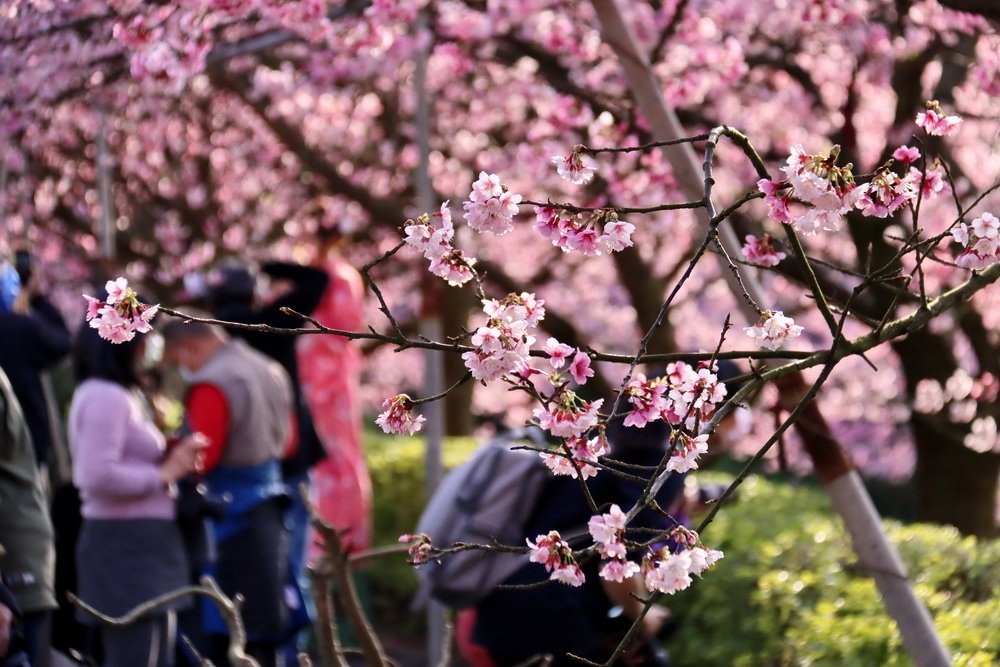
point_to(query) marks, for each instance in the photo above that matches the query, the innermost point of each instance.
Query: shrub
(396, 465)
(789, 592)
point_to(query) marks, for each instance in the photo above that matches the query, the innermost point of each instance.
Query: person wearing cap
(231, 295)
(241, 401)
(35, 338)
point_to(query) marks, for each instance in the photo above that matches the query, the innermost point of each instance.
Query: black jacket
(28, 345)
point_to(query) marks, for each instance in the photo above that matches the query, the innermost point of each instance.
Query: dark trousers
(254, 564)
(37, 628)
(149, 642)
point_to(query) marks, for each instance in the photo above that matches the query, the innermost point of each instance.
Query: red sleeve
(292, 445)
(208, 414)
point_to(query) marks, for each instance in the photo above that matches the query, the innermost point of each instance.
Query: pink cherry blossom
(819, 181)
(691, 394)
(454, 267)
(580, 368)
(886, 193)
(935, 122)
(568, 416)
(581, 450)
(687, 449)
(420, 547)
(122, 315)
(556, 555)
(932, 182)
(569, 574)
(116, 289)
(777, 205)
(93, 306)
(491, 207)
(616, 237)
(774, 330)
(502, 345)
(672, 572)
(574, 167)
(906, 154)
(397, 416)
(761, 251)
(980, 241)
(647, 400)
(619, 570)
(558, 352)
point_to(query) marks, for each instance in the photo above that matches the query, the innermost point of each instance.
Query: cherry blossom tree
(235, 127)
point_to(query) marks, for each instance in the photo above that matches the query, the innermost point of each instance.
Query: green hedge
(786, 593)
(396, 465)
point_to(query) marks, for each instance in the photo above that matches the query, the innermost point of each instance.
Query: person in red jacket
(242, 402)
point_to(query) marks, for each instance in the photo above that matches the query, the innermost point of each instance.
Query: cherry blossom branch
(403, 342)
(338, 562)
(382, 305)
(644, 147)
(229, 608)
(571, 208)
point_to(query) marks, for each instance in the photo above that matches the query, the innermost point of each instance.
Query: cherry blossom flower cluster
(491, 207)
(683, 394)
(571, 233)
(168, 46)
(887, 192)
(686, 450)
(980, 242)
(574, 167)
(432, 235)
(935, 122)
(503, 343)
(567, 415)
(581, 450)
(819, 181)
(773, 330)
(420, 547)
(557, 557)
(761, 251)
(121, 316)
(547, 381)
(669, 572)
(397, 416)
(608, 531)
(961, 394)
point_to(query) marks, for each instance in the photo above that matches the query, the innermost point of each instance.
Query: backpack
(487, 499)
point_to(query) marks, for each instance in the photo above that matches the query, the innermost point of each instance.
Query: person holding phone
(130, 548)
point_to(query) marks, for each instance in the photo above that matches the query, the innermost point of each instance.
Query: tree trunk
(954, 484)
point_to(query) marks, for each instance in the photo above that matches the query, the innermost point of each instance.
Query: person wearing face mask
(34, 338)
(129, 549)
(242, 401)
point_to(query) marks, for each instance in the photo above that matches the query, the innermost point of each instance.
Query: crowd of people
(151, 505)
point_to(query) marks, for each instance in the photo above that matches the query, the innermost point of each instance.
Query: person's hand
(183, 458)
(6, 621)
(653, 621)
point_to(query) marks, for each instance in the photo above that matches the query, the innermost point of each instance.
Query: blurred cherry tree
(254, 127)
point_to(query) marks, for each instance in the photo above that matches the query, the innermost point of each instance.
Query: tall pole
(107, 222)
(430, 318)
(842, 482)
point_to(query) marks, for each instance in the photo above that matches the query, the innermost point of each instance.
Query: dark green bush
(787, 592)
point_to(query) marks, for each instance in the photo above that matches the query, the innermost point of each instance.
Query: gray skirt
(121, 563)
